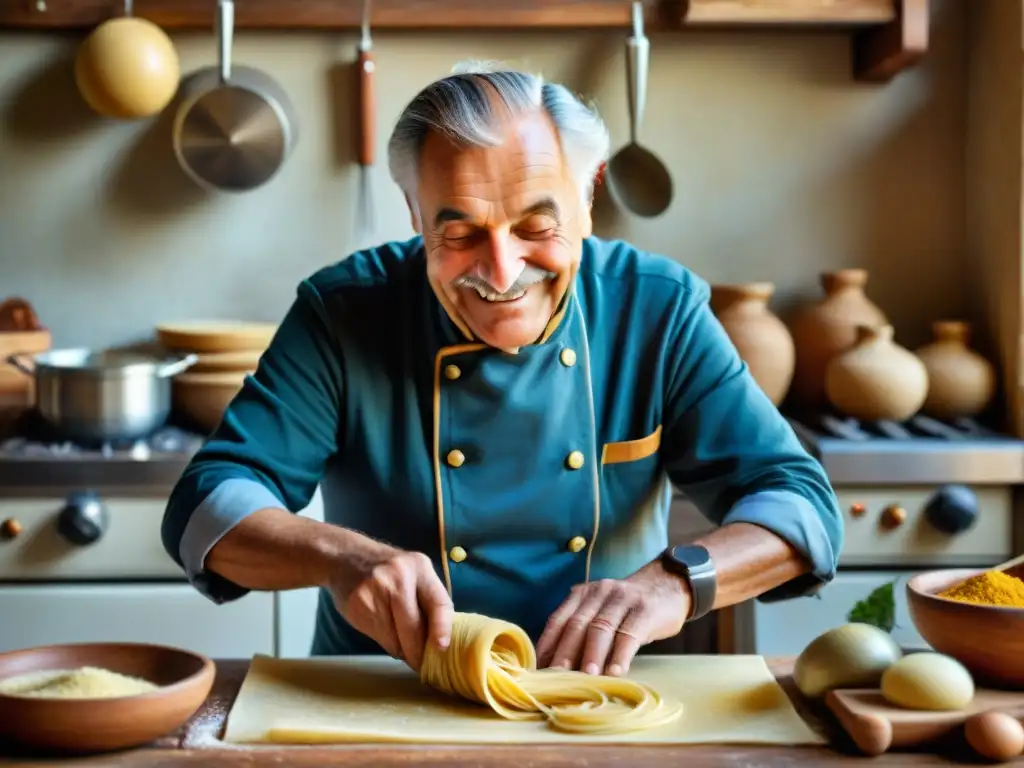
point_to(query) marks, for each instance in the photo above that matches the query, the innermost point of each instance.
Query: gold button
(568, 358)
(456, 458)
(574, 460)
(452, 372)
(457, 555)
(577, 543)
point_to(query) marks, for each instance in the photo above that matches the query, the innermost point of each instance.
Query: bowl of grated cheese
(98, 697)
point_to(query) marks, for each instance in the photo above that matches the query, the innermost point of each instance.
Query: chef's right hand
(396, 598)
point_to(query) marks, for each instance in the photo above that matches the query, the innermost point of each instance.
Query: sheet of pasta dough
(728, 699)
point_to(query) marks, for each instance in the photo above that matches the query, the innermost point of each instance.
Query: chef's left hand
(602, 624)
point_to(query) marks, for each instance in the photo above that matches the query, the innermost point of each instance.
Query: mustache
(530, 276)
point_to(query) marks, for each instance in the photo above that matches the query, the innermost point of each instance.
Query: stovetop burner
(33, 439)
(167, 440)
(921, 450)
(32, 457)
(917, 428)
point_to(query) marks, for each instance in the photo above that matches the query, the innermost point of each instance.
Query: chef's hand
(602, 624)
(396, 598)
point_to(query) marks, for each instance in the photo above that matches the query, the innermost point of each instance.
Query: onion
(850, 656)
(928, 681)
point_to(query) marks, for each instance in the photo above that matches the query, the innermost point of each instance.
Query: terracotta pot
(762, 339)
(961, 382)
(828, 327)
(876, 379)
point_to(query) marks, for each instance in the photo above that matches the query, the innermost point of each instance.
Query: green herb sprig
(877, 609)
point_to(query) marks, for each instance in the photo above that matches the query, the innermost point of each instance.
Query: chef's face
(503, 229)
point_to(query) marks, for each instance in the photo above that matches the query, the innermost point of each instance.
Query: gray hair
(458, 107)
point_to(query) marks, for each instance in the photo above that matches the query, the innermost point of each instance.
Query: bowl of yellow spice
(975, 616)
(97, 697)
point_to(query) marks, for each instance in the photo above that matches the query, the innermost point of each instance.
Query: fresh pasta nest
(493, 662)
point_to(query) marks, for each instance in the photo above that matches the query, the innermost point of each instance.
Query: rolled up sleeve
(730, 450)
(270, 449)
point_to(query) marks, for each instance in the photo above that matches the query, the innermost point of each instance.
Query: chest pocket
(629, 470)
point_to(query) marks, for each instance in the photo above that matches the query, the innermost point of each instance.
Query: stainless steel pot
(97, 397)
(234, 128)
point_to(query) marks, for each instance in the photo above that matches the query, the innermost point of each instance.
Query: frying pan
(235, 127)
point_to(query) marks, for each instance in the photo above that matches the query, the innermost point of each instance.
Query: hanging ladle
(636, 178)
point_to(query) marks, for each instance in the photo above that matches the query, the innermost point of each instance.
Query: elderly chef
(496, 411)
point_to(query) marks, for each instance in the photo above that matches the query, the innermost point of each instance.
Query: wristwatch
(693, 563)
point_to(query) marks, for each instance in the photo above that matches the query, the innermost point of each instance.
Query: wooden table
(185, 747)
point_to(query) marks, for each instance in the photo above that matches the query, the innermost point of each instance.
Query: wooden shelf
(452, 14)
(889, 35)
(760, 13)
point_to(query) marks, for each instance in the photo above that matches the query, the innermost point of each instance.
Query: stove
(922, 450)
(915, 496)
(82, 561)
(34, 456)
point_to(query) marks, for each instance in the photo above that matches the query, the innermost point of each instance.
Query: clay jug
(877, 378)
(828, 327)
(762, 339)
(961, 382)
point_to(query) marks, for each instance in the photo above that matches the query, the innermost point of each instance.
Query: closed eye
(537, 227)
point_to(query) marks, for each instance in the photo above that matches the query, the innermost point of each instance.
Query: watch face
(691, 555)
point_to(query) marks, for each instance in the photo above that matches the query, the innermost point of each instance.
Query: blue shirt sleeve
(730, 450)
(269, 450)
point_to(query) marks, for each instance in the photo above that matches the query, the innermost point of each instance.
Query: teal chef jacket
(519, 474)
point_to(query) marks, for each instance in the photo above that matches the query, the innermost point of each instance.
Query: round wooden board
(228, 362)
(216, 335)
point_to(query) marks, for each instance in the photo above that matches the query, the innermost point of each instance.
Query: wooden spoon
(1014, 567)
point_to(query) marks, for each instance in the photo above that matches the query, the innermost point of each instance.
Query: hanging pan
(235, 127)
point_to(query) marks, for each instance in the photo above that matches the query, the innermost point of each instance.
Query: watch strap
(693, 562)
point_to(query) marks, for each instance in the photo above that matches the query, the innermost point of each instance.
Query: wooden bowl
(202, 398)
(988, 640)
(98, 725)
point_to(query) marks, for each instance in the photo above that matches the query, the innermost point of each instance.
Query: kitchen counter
(191, 746)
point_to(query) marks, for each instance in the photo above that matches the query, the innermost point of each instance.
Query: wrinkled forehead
(526, 164)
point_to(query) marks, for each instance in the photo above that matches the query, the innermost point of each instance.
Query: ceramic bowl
(202, 398)
(99, 725)
(988, 640)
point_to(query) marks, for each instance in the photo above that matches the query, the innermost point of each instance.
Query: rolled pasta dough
(493, 662)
